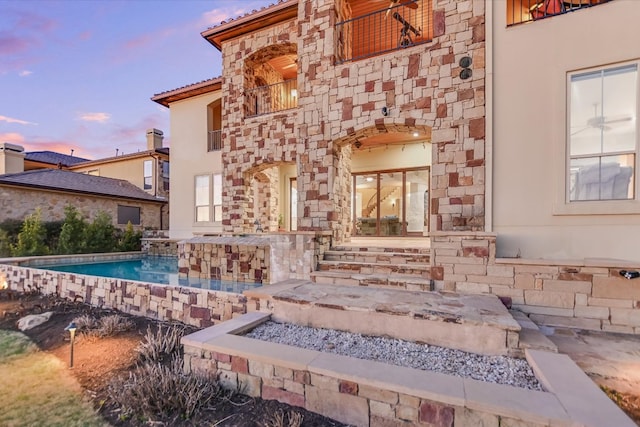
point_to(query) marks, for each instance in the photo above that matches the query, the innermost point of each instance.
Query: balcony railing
(214, 142)
(520, 11)
(271, 98)
(385, 30)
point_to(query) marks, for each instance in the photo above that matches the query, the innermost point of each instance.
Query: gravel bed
(495, 369)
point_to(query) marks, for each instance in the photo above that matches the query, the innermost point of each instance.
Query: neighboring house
(50, 160)
(21, 192)
(506, 116)
(147, 170)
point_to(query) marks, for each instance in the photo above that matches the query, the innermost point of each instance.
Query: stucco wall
(189, 157)
(531, 62)
(17, 203)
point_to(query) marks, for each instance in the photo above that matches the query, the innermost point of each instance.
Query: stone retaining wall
(160, 247)
(257, 258)
(585, 294)
(197, 307)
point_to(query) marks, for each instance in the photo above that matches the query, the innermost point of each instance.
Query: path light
(72, 331)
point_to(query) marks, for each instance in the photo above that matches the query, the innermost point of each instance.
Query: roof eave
(272, 15)
(166, 98)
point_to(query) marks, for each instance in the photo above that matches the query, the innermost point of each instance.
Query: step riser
(373, 282)
(418, 271)
(421, 251)
(377, 258)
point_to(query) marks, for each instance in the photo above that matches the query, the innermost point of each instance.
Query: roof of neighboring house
(163, 150)
(184, 92)
(74, 182)
(256, 19)
(53, 158)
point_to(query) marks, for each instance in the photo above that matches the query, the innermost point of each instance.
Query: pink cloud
(12, 137)
(18, 121)
(11, 45)
(94, 117)
(36, 144)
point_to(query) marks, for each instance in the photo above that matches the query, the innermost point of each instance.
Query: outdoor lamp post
(72, 332)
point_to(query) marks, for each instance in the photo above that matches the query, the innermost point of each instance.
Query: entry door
(390, 203)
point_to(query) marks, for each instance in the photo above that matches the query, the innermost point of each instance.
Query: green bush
(130, 239)
(72, 232)
(99, 236)
(5, 244)
(32, 236)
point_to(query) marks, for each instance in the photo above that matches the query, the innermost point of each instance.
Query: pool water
(163, 270)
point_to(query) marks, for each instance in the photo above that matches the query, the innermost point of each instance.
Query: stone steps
(421, 270)
(475, 323)
(394, 280)
(377, 257)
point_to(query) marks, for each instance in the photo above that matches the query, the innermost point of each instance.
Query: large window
(208, 200)
(165, 175)
(602, 133)
(148, 174)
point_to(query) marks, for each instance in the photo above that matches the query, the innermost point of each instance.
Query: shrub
(280, 419)
(130, 239)
(154, 389)
(5, 244)
(161, 345)
(31, 239)
(99, 236)
(72, 232)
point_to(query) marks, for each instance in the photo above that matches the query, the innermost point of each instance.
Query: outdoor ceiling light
(416, 134)
(357, 144)
(294, 93)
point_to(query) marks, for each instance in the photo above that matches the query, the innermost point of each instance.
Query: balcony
(214, 140)
(366, 30)
(271, 98)
(521, 11)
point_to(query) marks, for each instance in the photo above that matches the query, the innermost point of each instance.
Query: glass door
(416, 195)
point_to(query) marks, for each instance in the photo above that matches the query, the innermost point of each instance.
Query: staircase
(383, 267)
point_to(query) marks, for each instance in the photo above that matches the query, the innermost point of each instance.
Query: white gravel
(495, 369)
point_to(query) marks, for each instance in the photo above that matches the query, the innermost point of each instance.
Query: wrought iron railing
(214, 142)
(385, 30)
(520, 11)
(271, 98)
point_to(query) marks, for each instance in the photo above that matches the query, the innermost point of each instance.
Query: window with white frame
(208, 198)
(603, 133)
(148, 174)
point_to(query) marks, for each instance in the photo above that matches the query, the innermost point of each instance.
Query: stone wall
(160, 247)
(258, 258)
(17, 203)
(197, 307)
(419, 85)
(586, 294)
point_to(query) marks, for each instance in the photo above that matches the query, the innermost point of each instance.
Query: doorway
(391, 203)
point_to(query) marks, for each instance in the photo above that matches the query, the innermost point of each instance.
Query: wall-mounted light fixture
(357, 144)
(294, 93)
(465, 62)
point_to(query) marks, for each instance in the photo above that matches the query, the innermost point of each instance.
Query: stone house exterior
(489, 127)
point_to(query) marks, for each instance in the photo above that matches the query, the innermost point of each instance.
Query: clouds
(17, 121)
(94, 117)
(25, 73)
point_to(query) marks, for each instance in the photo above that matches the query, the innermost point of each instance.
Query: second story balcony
(372, 27)
(521, 11)
(271, 98)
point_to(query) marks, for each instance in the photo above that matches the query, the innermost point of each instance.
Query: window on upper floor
(271, 83)
(165, 175)
(367, 28)
(214, 126)
(148, 174)
(520, 11)
(208, 198)
(603, 133)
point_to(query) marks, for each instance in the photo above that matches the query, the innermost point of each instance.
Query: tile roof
(205, 86)
(248, 14)
(56, 179)
(51, 157)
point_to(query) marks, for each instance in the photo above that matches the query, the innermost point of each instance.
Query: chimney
(11, 158)
(154, 139)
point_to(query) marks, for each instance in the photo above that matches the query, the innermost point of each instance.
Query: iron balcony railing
(521, 11)
(385, 30)
(271, 98)
(214, 142)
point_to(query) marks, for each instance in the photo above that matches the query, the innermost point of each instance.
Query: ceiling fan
(601, 122)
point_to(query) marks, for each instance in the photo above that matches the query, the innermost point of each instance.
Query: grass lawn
(37, 389)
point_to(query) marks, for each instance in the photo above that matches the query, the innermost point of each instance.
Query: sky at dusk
(79, 74)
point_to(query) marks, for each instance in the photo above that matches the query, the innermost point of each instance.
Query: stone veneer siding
(160, 247)
(339, 103)
(17, 203)
(197, 307)
(587, 294)
(258, 258)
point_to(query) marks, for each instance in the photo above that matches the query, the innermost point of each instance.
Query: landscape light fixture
(72, 332)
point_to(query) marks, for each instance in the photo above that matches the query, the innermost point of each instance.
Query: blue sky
(79, 74)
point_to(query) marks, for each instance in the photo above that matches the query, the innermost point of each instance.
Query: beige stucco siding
(189, 157)
(17, 203)
(530, 64)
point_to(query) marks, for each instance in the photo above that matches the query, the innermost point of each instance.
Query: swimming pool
(161, 270)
